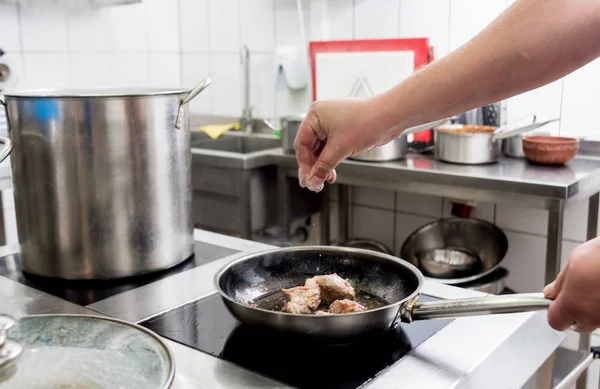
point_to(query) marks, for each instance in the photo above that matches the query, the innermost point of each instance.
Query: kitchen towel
(216, 130)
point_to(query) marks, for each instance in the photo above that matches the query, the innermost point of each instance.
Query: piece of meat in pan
(302, 299)
(346, 306)
(333, 287)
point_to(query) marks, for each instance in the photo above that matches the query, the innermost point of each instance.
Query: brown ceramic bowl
(550, 150)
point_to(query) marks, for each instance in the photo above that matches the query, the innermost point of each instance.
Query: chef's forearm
(534, 42)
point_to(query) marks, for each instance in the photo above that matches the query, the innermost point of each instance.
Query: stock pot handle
(474, 306)
(8, 144)
(193, 93)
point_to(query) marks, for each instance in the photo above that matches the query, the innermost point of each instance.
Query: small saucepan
(475, 144)
(397, 148)
(251, 289)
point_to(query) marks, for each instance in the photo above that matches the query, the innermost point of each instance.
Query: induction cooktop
(208, 326)
(88, 292)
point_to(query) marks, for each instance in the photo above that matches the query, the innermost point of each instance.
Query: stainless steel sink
(240, 143)
(235, 182)
(233, 150)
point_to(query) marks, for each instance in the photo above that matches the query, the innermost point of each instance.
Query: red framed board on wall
(419, 48)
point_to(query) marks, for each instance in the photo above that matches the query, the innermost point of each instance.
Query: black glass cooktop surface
(88, 292)
(208, 326)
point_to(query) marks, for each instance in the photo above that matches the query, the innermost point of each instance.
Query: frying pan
(251, 289)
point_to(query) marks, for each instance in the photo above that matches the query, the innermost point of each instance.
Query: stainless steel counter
(509, 180)
(486, 351)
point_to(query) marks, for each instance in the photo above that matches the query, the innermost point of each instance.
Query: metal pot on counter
(394, 150)
(476, 144)
(289, 129)
(102, 180)
(513, 146)
(397, 148)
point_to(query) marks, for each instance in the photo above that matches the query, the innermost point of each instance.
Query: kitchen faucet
(246, 120)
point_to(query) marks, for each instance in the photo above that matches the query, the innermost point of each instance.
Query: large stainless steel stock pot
(102, 180)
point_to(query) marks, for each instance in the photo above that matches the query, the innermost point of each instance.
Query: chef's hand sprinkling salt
(332, 131)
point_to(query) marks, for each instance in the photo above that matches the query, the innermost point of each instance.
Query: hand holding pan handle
(516, 303)
(489, 305)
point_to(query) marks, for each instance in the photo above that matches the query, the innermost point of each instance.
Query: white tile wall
(379, 227)
(129, 68)
(287, 22)
(87, 32)
(262, 85)
(194, 68)
(161, 29)
(10, 33)
(173, 43)
(194, 27)
(164, 70)
(544, 102)
(224, 25)
(373, 198)
(163, 19)
(258, 13)
(468, 17)
(226, 95)
(51, 18)
(437, 15)
(120, 21)
(90, 69)
(580, 93)
(376, 19)
(331, 20)
(419, 204)
(48, 70)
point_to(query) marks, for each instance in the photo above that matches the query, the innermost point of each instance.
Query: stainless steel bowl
(397, 148)
(479, 237)
(365, 244)
(449, 262)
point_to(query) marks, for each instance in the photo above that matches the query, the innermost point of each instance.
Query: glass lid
(79, 351)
